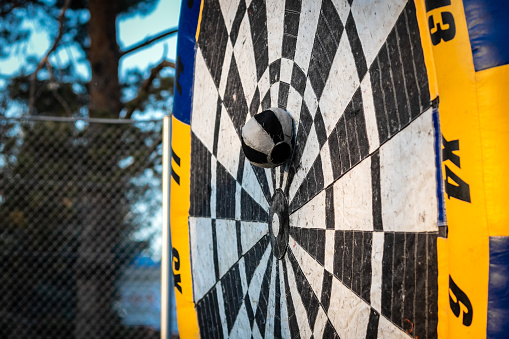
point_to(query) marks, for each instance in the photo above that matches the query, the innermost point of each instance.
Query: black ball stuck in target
(267, 138)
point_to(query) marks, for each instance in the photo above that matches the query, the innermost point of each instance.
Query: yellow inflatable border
(475, 167)
(180, 168)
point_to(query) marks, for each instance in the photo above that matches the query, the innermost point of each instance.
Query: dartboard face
(341, 241)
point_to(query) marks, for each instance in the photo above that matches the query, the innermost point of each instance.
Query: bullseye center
(275, 225)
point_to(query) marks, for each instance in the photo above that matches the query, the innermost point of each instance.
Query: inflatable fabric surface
(394, 199)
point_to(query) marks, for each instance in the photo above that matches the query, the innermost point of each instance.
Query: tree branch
(148, 41)
(33, 76)
(158, 142)
(144, 88)
(54, 89)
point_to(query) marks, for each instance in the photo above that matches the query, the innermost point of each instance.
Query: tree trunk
(104, 56)
(96, 269)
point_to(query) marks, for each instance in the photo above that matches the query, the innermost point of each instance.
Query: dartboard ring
(317, 269)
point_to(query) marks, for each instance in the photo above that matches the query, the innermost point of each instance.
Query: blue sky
(136, 28)
(130, 30)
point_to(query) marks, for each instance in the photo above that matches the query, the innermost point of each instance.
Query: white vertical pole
(166, 262)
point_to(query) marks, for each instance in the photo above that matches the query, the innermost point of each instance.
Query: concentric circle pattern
(355, 255)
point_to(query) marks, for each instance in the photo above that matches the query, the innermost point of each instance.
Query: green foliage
(58, 183)
(12, 16)
(54, 98)
(125, 7)
(158, 96)
(70, 192)
(64, 90)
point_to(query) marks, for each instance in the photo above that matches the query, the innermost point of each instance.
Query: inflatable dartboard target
(343, 239)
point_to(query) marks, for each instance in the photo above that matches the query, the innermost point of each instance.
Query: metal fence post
(166, 289)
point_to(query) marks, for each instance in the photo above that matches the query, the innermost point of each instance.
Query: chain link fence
(78, 209)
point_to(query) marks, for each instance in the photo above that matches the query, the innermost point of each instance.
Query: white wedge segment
(213, 186)
(245, 59)
(250, 233)
(264, 85)
(312, 270)
(286, 70)
(311, 215)
(226, 68)
(275, 28)
(377, 253)
(329, 250)
(226, 245)
(285, 327)
(300, 309)
(369, 113)
(271, 306)
(252, 187)
(309, 154)
(202, 254)
(328, 175)
(256, 280)
(374, 21)
(407, 161)
(353, 208)
(386, 329)
(341, 84)
(308, 22)
(348, 313)
(229, 9)
(220, 303)
(205, 103)
(320, 322)
(242, 326)
(228, 156)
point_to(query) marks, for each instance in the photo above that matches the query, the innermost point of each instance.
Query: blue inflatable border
(488, 30)
(186, 50)
(498, 290)
(438, 163)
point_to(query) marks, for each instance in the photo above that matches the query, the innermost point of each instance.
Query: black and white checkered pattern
(361, 260)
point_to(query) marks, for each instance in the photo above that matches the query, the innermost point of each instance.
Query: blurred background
(84, 85)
